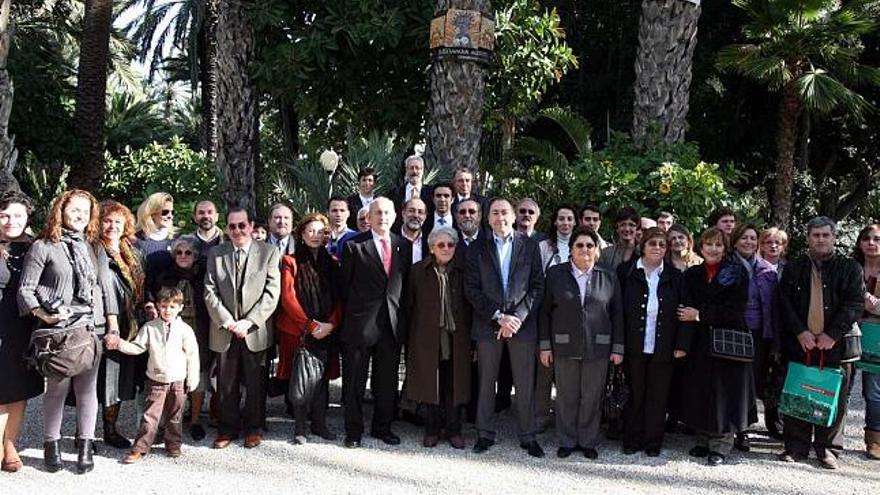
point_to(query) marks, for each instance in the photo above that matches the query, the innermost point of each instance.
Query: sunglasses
(582, 245)
(166, 213)
(467, 211)
(525, 211)
(238, 226)
(185, 252)
(445, 245)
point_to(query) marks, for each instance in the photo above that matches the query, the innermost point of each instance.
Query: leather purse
(732, 344)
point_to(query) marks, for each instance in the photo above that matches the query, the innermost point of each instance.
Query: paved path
(321, 467)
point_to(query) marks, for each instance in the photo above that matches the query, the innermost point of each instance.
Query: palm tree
(456, 104)
(667, 38)
(8, 153)
(91, 91)
(237, 113)
(810, 52)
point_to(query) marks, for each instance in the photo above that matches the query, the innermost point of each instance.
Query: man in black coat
(463, 183)
(375, 265)
(443, 215)
(413, 185)
(821, 297)
(504, 282)
(364, 195)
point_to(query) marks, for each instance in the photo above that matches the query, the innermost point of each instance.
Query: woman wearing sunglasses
(188, 275)
(581, 330)
(438, 361)
(155, 231)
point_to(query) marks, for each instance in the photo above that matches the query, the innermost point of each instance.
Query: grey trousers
(85, 387)
(522, 361)
(715, 442)
(543, 393)
(580, 387)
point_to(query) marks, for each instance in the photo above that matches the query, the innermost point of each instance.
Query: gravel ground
(327, 467)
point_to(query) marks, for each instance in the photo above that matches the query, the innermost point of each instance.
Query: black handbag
(60, 353)
(616, 394)
(733, 344)
(305, 378)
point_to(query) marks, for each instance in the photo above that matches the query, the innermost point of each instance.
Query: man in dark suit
(281, 229)
(413, 185)
(242, 287)
(503, 283)
(463, 185)
(443, 214)
(412, 228)
(375, 265)
(364, 195)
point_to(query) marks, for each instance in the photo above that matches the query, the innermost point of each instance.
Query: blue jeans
(871, 391)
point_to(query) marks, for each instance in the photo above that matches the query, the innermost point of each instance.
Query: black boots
(52, 456)
(84, 461)
(111, 436)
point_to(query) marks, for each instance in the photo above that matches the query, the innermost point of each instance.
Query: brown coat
(422, 306)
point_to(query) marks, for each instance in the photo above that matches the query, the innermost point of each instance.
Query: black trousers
(383, 383)
(645, 417)
(799, 435)
(445, 414)
(239, 365)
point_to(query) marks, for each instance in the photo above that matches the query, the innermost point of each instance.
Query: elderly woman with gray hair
(439, 344)
(188, 275)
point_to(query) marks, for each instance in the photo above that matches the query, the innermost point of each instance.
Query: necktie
(442, 221)
(386, 256)
(415, 193)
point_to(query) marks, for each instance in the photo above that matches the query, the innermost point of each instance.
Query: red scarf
(711, 271)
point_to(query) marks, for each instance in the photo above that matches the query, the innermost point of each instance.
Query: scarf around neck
(85, 278)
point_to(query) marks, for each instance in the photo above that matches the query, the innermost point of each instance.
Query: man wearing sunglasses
(242, 287)
(527, 214)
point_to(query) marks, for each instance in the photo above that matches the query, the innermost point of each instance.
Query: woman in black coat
(717, 392)
(655, 338)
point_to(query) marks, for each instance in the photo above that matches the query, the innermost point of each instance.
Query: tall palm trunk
(237, 112)
(667, 38)
(207, 55)
(8, 153)
(456, 104)
(786, 142)
(91, 94)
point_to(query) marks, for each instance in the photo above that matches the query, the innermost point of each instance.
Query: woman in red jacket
(310, 313)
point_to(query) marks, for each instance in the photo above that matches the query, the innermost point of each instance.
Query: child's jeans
(163, 399)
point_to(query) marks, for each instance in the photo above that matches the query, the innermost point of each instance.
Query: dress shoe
(52, 456)
(388, 438)
(221, 442)
(253, 440)
(742, 442)
(591, 453)
(630, 449)
(715, 459)
(197, 432)
(173, 452)
(84, 460)
(789, 456)
(482, 445)
(533, 448)
(456, 442)
(324, 433)
(564, 452)
(699, 451)
(133, 457)
(652, 452)
(352, 442)
(828, 461)
(430, 441)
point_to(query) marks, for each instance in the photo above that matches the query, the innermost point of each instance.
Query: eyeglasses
(238, 226)
(467, 211)
(444, 245)
(582, 245)
(526, 211)
(185, 252)
(166, 213)
(661, 244)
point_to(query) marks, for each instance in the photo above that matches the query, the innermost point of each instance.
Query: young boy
(174, 358)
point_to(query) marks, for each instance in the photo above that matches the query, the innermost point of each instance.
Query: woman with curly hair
(117, 373)
(63, 284)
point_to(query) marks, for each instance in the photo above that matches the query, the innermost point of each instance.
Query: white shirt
(365, 201)
(447, 219)
(653, 306)
(582, 279)
(409, 191)
(377, 240)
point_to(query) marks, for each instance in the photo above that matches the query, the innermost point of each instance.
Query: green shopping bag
(870, 341)
(811, 394)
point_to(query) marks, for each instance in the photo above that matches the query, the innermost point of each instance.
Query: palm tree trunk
(8, 153)
(456, 103)
(91, 94)
(237, 113)
(207, 54)
(786, 143)
(667, 38)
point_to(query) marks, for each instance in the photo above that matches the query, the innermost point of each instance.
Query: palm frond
(823, 94)
(542, 151)
(753, 63)
(578, 130)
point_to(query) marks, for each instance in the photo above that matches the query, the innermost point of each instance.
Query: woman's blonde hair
(145, 211)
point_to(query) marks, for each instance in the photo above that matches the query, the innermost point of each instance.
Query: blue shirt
(504, 248)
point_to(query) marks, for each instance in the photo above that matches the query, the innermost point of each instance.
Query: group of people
(465, 288)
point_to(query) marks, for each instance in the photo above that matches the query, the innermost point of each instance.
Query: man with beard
(207, 234)
(414, 213)
(280, 227)
(413, 186)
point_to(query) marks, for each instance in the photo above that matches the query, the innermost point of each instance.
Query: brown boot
(111, 435)
(872, 444)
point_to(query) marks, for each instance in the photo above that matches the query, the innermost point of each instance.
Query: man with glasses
(242, 287)
(281, 229)
(413, 186)
(527, 214)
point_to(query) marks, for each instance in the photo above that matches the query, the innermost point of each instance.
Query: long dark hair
(857, 251)
(552, 233)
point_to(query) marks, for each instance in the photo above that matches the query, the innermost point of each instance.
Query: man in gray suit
(242, 286)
